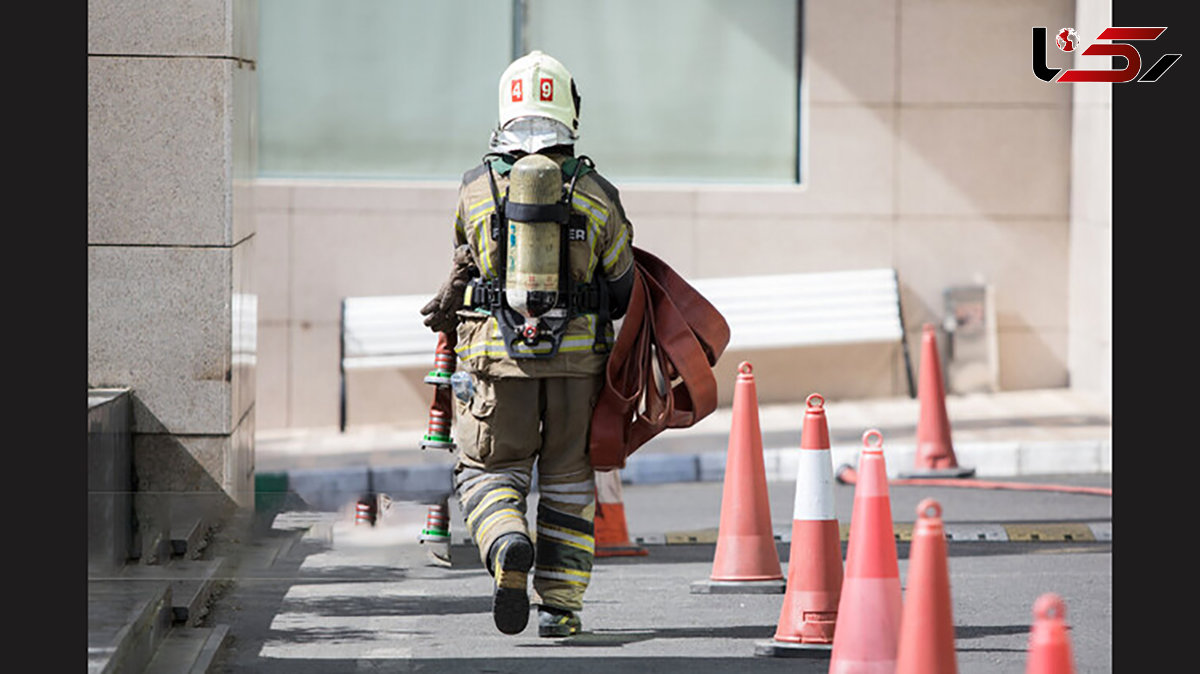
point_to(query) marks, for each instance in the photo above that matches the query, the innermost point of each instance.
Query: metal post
(342, 368)
(519, 39)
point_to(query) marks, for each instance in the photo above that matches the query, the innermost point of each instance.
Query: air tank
(531, 284)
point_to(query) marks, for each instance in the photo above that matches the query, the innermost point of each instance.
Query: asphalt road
(352, 598)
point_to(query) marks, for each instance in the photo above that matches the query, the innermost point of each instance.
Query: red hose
(848, 475)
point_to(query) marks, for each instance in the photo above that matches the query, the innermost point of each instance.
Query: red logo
(1067, 41)
(518, 93)
(547, 89)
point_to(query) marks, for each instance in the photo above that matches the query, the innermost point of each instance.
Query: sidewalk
(348, 598)
(320, 594)
(1006, 434)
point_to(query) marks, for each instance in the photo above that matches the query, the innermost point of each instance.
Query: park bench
(769, 311)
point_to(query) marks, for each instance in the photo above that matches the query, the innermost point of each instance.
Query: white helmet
(537, 85)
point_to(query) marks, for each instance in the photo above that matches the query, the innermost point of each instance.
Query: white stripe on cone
(814, 501)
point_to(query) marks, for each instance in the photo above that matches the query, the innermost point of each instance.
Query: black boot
(557, 622)
(511, 558)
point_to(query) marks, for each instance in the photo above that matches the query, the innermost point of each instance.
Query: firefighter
(543, 265)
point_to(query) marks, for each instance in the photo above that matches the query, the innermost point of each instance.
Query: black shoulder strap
(577, 166)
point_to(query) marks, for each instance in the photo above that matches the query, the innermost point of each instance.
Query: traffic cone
(868, 625)
(814, 582)
(612, 536)
(746, 560)
(1049, 645)
(444, 360)
(935, 451)
(437, 435)
(927, 624)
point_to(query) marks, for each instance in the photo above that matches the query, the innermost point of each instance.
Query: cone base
(437, 554)
(784, 649)
(621, 551)
(435, 443)
(939, 473)
(739, 587)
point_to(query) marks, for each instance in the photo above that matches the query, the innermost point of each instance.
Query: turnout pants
(510, 425)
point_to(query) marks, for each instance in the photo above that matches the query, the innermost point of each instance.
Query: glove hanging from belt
(441, 312)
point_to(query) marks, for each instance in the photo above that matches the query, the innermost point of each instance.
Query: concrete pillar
(172, 98)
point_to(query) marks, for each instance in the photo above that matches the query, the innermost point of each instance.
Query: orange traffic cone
(868, 625)
(1049, 645)
(746, 560)
(927, 624)
(814, 583)
(612, 536)
(935, 451)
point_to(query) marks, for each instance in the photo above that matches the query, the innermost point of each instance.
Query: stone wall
(172, 311)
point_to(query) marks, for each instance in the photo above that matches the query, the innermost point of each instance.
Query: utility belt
(584, 298)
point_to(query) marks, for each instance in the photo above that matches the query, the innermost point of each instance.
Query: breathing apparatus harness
(573, 298)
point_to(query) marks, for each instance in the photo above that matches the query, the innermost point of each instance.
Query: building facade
(237, 192)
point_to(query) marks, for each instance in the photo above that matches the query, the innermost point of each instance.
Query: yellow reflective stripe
(561, 578)
(573, 539)
(494, 518)
(492, 348)
(458, 222)
(584, 486)
(565, 574)
(591, 207)
(477, 215)
(479, 207)
(597, 215)
(496, 495)
(610, 258)
(593, 259)
(573, 572)
(483, 239)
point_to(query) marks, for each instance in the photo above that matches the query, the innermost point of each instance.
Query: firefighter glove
(441, 312)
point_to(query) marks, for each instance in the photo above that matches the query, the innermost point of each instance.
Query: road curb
(330, 489)
(964, 532)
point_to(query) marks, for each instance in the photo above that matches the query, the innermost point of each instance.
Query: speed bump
(686, 537)
(1049, 532)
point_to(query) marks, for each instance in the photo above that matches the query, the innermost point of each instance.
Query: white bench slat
(386, 331)
(778, 310)
(808, 309)
(384, 362)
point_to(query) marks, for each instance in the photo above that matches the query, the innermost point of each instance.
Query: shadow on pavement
(610, 638)
(659, 665)
(428, 605)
